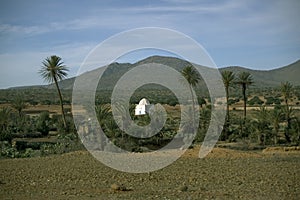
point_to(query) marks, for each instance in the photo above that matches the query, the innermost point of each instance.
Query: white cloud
(230, 26)
(123, 18)
(21, 68)
(19, 29)
(183, 6)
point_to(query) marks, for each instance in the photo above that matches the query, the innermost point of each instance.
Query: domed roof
(144, 101)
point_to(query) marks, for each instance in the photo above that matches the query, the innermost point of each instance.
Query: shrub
(200, 136)
(66, 143)
(33, 102)
(272, 100)
(201, 101)
(70, 125)
(43, 123)
(233, 101)
(47, 102)
(255, 101)
(172, 103)
(6, 135)
(28, 153)
(7, 151)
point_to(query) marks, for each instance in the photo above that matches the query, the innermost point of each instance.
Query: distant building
(143, 107)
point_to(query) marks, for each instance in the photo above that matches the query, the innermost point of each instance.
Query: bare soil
(223, 174)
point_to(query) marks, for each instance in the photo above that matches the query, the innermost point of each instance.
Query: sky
(255, 34)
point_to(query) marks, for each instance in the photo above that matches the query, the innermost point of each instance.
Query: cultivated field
(223, 174)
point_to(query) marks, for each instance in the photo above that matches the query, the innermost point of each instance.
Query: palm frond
(191, 75)
(53, 69)
(244, 78)
(228, 78)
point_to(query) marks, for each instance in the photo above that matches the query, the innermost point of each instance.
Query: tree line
(264, 126)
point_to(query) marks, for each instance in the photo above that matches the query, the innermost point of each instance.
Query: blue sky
(254, 34)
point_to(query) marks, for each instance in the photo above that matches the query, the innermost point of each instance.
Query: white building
(143, 107)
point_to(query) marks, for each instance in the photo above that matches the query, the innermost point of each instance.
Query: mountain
(262, 78)
(272, 78)
(115, 71)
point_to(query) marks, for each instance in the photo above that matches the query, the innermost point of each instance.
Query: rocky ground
(223, 174)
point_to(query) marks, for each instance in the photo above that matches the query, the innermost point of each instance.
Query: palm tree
(286, 91)
(19, 104)
(5, 121)
(262, 124)
(244, 79)
(228, 78)
(276, 116)
(297, 129)
(54, 70)
(102, 112)
(122, 118)
(5, 117)
(193, 78)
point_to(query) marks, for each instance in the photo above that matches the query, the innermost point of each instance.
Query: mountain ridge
(262, 78)
(272, 77)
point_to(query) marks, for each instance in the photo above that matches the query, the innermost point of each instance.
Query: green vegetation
(30, 135)
(35, 122)
(255, 101)
(272, 101)
(18, 104)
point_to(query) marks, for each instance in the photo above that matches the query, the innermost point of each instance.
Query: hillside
(272, 78)
(262, 78)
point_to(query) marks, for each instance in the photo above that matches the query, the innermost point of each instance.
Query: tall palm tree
(228, 78)
(193, 78)
(276, 116)
(54, 70)
(244, 79)
(286, 91)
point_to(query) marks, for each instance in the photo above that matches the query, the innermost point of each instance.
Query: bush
(66, 143)
(33, 102)
(70, 125)
(233, 101)
(172, 103)
(43, 123)
(255, 101)
(6, 135)
(272, 100)
(28, 153)
(201, 101)
(47, 102)
(200, 136)
(7, 151)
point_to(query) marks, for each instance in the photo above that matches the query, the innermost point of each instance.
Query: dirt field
(223, 174)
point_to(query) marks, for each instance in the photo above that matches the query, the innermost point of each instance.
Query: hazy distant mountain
(272, 78)
(266, 78)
